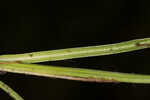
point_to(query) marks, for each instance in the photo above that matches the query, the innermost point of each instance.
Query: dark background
(30, 25)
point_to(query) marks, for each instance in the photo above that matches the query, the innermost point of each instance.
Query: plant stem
(74, 73)
(14, 63)
(79, 52)
(10, 91)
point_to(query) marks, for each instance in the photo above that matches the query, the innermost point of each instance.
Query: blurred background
(31, 25)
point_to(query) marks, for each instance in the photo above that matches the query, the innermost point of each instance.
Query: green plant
(21, 63)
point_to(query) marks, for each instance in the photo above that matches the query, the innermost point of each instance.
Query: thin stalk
(10, 91)
(74, 73)
(79, 52)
